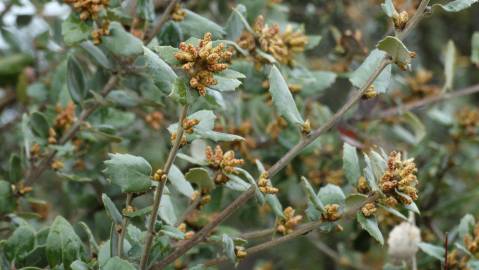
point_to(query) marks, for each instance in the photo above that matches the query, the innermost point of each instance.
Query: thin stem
(159, 24)
(35, 171)
(257, 234)
(425, 101)
(248, 194)
(301, 231)
(124, 225)
(159, 190)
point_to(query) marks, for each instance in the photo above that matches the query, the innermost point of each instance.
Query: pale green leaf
(388, 7)
(457, 5)
(130, 173)
(228, 247)
(63, 246)
(201, 177)
(282, 98)
(75, 30)
(396, 50)
(475, 48)
(370, 225)
(196, 25)
(115, 263)
(111, 209)
(351, 163)
(449, 65)
(121, 43)
(360, 76)
(178, 181)
(437, 252)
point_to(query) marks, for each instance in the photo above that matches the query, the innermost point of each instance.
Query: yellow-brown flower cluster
(370, 93)
(369, 209)
(63, 121)
(98, 33)
(290, 221)
(88, 9)
(459, 260)
(264, 184)
(189, 124)
(472, 241)
(204, 196)
(400, 20)
(154, 119)
(159, 175)
(295, 42)
(178, 13)
(331, 212)
(275, 127)
(225, 162)
(57, 165)
(399, 176)
(202, 62)
(240, 252)
(65, 116)
(188, 234)
(283, 46)
(468, 120)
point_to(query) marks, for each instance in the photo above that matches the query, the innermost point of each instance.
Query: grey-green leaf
(178, 181)
(63, 246)
(331, 194)
(196, 25)
(282, 98)
(351, 163)
(76, 80)
(273, 201)
(20, 243)
(39, 124)
(313, 198)
(449, 65)
(15, 170)
(370, 225)
(130, 173)
(388, 7)
(111, 209)
(360, 76)
(159, 70)
(396, 49)
(200, 177)
(457, 5)
(466, 226)
(7, 198)
(437, 252)
(167, 210)
(228, 247)
(475, 48)
(115, 263)
(96, 54)
(75, 30)
(121, 43)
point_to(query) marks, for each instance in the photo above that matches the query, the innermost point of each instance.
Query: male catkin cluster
(399, 176)
(283, 46)
(178, 13)
(202, 62)
(88, 9)
(225, 162)
(290, 221)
